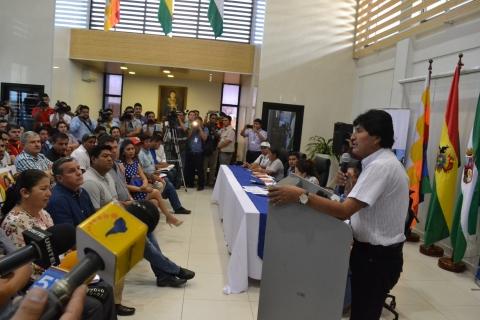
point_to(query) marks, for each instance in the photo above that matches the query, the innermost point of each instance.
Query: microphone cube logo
(119, 226)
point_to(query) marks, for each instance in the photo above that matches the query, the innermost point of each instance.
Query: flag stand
(431, 250)
(447, 263)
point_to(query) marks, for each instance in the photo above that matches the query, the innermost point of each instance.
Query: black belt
(377, 249)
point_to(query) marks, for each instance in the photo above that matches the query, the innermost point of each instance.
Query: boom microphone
(344, 161)
(109, 243)
(42, 247)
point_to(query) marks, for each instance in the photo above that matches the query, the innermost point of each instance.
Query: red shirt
(43, 116)
(14, 148)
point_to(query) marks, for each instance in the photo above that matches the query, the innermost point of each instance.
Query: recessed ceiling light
(56, 67)
(167, 71)
(170, 76)
(131, 72)
(124, 68)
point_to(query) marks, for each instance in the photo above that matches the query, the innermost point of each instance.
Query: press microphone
(344, 162)
(42, 247)
(110, 243)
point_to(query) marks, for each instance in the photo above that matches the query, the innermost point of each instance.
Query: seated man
(59, 147)
(81, 153)
(44, 134)
(30, 157)
(160, 158)
(148, 165)
(263, 160)
(14, 146)
(293, 158)
(102, 189)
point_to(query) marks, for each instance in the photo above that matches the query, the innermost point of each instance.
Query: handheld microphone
(42, 248)
(109, 243)
(344, 161)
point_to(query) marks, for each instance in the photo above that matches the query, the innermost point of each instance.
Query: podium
(305, 262)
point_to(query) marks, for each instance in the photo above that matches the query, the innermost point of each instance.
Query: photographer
(197, 134)
(151, 125)
(255, 136)
(61, 114)
(41, 113)
(129, 125)
(210, 149)
(82, 124)
(105, 118)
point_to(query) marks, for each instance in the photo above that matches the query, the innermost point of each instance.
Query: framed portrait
(283, 123)
(170, 99)
(6, 181)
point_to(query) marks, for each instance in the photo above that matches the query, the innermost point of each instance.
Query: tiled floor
(424, 292)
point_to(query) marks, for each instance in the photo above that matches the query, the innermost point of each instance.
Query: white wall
(306, 59)
(26, 38)
(201, 95)
(377, 86)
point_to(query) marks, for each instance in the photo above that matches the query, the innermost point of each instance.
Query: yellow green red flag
(441, 209)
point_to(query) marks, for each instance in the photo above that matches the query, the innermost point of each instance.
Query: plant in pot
(319, 145)
(323, 148)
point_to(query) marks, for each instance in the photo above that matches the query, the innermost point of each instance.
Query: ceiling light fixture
(56, 67)
(124, 68)
(167, 71)
(210, 77)
(131, 72)
(171, 76)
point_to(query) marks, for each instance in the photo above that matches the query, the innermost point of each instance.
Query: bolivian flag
(112, 14)
(165, 14)
(466, 211)
(440, 211)
(417, 168)
(215, 16)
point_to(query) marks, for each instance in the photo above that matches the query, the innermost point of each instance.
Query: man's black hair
(259, 121)
(377, 123)
(104, 139)
(296, 154)
(59, 136)
(97, 150)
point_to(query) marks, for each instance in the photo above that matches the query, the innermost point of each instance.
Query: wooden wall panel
(144, 49)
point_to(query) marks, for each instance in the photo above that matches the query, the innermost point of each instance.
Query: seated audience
(82, 124)
(293, 158)
(5, 112)
(14, 145)
(72, 141)
(106, 119)
(116, 133)
(3, 125)
(160, 159)
(5, 160)
(255, 136)
(81, 154)
(43, 133)
(274, 168)
(59, 147)
(30, 157)
(306, 169)
(137, 182)
(99, 130)
(100, 186)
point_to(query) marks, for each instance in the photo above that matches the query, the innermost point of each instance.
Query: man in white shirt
(377, 207)
(226, 146)
(81, 154)
(263, 160)
(255, 136)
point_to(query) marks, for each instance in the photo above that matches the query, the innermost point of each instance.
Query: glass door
(22, 99)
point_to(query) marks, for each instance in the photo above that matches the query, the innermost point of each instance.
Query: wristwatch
(303, 199)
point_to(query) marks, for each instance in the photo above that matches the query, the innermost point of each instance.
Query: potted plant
(319, 145)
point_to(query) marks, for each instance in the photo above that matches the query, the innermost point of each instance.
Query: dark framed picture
(171, 99)
(283, 123)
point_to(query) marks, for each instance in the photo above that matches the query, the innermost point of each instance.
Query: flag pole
(447, 263)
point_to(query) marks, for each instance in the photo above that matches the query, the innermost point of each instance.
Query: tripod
(174, 149)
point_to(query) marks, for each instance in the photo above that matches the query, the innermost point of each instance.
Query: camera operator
(197, 134)
(82, 124)
(129, 125)
(151, 125)
(61, 114)
(210, 149)
(41, 113)
(106, 120)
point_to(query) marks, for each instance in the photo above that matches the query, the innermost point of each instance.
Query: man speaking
(377, 206)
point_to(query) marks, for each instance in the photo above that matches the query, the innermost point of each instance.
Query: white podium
(305, 262)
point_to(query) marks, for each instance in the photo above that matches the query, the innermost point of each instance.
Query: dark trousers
(252, 156)
(194, 164)
(375, 271)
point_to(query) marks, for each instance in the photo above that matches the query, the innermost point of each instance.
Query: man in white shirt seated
(275, 166)
(81, 154)
(263, 160)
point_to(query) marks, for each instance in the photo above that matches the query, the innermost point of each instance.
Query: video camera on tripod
(172, 119)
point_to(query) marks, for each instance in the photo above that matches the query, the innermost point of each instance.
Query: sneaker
(182, 210)
(185, 274)
(124, 310)
(170, 281)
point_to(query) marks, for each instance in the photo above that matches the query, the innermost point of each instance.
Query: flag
(466, 211)
(112, 14)
(165, 14)
(417, 168)
(440, 211)
(215, 16)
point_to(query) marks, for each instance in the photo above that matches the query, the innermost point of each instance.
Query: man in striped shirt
(30, 157)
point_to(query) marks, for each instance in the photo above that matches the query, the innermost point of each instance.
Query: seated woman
(274, 168)
(24, 209)
(305, 169)
(138, 183)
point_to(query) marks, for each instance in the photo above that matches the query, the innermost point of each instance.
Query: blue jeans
(161, 265)
(170, 193)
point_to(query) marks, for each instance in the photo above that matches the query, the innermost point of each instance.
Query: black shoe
(182, 210)
(190, 186)
(170, 281)
(200, 188)
(124, 310)
(185, 274)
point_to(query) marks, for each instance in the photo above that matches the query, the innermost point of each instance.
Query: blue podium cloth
(244, 178)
